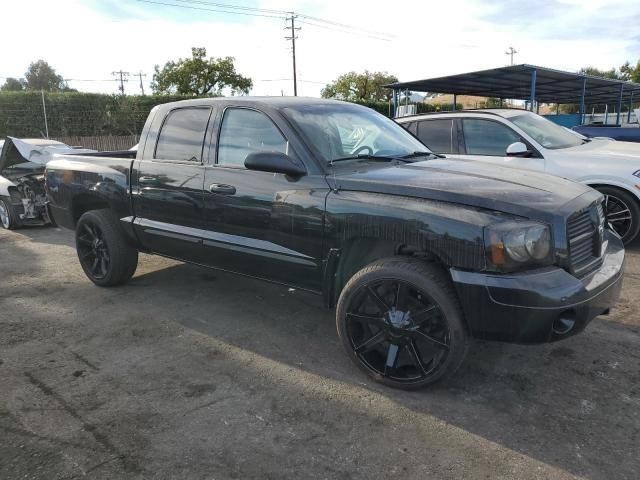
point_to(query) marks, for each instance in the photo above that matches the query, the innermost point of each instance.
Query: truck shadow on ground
(544, 401)
(556, 403)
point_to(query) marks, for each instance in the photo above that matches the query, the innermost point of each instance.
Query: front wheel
(103, 250)
(622, 212)
(400, 321)
(8, 217)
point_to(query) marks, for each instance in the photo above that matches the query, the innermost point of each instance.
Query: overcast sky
(89, 39)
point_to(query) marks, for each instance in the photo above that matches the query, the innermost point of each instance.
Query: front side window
(438, 135)
(182, 135)
(545, 132)
(246, 131)
(486, 137)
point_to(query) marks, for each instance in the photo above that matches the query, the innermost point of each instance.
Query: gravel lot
(192, 373)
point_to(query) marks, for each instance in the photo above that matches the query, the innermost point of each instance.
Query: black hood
(505, 189)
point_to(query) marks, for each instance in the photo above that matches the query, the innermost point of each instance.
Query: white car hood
(607, 149)
(41, 155)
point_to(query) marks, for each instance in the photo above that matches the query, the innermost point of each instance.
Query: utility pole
(511, 51)
(44, 110)
(123, 79)
(140, 75)
(293, 49)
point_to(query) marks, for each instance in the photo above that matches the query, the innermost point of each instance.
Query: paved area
(194, 374)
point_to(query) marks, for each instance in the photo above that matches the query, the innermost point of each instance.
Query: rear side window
(486, 137)
(246, 131)
(182, 135)
(440, 136)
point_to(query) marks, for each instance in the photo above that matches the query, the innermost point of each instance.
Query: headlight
(516, 245)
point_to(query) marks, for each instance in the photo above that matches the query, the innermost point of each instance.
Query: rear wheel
(622, 212)
(103, 250)
(8, 217)
(399, 320)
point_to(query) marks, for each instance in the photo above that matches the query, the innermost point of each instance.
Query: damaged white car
(22, 197)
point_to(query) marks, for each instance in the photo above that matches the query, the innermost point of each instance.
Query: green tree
(199, 76)
(630, 73)
(42, 76)
(13, 85)
(367, 86)
(612, 74)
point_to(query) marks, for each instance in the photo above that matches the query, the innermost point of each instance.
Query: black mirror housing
(274, 162)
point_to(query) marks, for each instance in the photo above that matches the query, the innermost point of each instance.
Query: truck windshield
(545, 132)
(340, 131)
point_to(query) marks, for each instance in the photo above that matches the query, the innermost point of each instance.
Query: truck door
(262, 224)
(169, 201)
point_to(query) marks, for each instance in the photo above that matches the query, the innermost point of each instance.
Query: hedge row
(71, 113)
(91, 114)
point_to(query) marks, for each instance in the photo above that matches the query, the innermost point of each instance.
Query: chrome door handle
(147, 179)
(222, 189)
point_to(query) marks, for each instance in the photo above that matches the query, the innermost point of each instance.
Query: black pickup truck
(417, 252)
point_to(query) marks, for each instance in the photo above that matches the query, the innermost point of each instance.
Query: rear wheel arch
(85, 203)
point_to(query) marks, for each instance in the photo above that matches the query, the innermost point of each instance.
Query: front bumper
(542, 305)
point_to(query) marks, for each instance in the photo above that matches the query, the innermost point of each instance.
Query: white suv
(522, 139)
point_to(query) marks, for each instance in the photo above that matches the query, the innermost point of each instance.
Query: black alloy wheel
(397, 331)
(107, 257)
(93, 250)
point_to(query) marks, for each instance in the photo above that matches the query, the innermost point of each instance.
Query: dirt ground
(189, 373)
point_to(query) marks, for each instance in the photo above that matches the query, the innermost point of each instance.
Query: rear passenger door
(169, 200)
(440, 135)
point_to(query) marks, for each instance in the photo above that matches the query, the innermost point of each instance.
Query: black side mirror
(274, 162)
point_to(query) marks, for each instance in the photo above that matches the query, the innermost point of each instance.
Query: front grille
(584, 232)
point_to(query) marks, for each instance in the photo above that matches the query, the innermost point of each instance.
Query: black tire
(429, 321)
(105, 255)
(9, 219)
(623, 212)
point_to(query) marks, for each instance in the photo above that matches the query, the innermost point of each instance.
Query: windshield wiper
(375, 158)
(423, 154)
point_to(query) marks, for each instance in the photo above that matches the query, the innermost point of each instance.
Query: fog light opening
(565, 322)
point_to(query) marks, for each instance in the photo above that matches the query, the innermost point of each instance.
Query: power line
(211, 9)
(350, 32)
(235, 7)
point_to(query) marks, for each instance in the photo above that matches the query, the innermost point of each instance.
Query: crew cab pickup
(418, 253)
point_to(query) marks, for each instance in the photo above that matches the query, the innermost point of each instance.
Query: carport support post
(584, 91)
(619, 104)
(455, 99)
(630, 108)
(534, 75)
(395, 103)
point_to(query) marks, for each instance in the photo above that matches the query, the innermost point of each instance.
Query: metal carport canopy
(522, 82)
